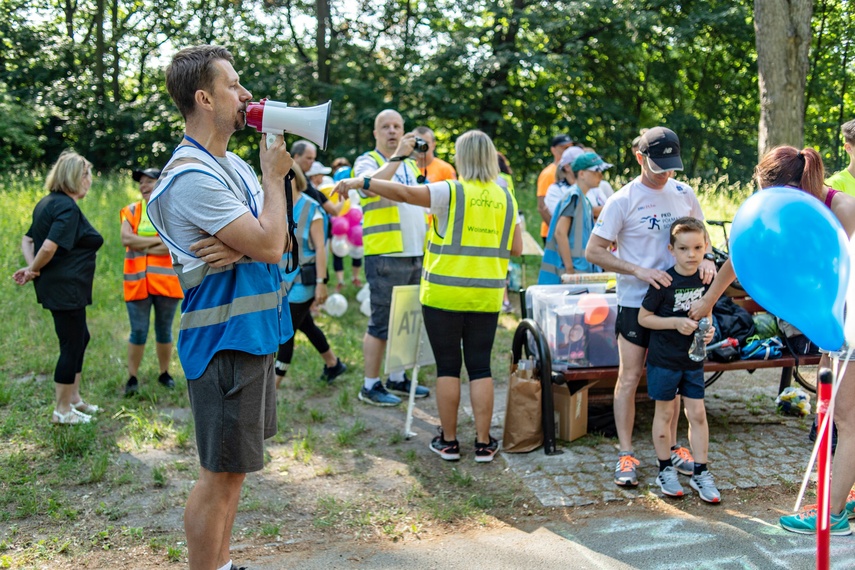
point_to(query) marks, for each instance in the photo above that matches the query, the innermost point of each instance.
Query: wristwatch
(709, 257)
(397, 158)
(320, 280)
(366, 182)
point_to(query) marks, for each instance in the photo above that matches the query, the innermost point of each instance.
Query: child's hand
(709, 336)
(686, 326)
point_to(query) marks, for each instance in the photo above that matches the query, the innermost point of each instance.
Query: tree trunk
(783, 31)
(322, 13)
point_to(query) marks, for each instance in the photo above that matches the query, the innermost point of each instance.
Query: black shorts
(234, 408)
(627, 326)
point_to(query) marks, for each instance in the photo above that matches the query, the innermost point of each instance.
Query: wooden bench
(537, 347)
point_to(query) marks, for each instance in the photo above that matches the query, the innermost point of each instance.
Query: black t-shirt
(669, 348)
(65, 282)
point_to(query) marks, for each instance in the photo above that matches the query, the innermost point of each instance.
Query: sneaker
(448, 450)
(704, 484)
(805, 523)
(507, 307)
(681, 459)
(378, 396)
(73, 417)
(132, 387)
(484, 452)
(625, 474)
(330, 373)
(403, 388)
(669, 482)
(166, 380)
(850, 505)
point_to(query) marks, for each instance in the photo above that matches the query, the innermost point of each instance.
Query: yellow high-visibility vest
(381, 222)
(465, 269)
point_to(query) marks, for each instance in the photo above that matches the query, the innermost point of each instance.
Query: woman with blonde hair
(60, 248)
(473, 232)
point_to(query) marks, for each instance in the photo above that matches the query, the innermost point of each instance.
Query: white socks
(369, 382)
(228, 566)
(397, 376)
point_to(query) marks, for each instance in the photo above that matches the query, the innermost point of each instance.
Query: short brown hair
(685, 225)
(192, 69)
(848, 131)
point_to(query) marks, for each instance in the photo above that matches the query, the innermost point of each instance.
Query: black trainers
(448, 450)
(484, 452)
(166, 380)
(330, 373)
(132, 387)
(402, 388)
(813, 430)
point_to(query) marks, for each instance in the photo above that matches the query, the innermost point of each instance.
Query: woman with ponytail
(803, 169)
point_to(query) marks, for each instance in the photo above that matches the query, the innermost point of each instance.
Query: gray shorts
(234, 407)
(383, 273)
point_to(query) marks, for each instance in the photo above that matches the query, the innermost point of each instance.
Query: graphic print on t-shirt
(683, 298)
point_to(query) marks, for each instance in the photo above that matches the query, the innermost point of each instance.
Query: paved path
(750, 446)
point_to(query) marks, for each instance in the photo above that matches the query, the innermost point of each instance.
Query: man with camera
(433, 168)
(393, 236)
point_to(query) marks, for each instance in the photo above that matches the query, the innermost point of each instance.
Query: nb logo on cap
(667, 150)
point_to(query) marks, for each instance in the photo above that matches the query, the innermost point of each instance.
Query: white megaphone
(275, 118)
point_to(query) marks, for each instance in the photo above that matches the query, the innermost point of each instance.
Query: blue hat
(342, 173)
(590, 161)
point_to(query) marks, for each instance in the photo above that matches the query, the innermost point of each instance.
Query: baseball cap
(590, 161)
(318, 168)
(150, 172)
(662, 149)
(559, 140)
(569, 155)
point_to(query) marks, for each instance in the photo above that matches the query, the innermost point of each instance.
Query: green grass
(45, 470)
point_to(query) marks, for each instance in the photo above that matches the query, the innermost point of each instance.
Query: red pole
(823, 479)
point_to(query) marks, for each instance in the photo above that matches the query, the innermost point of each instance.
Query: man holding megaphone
(230, 318)
(393, 235)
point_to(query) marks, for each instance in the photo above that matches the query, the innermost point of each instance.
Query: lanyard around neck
(253, 207)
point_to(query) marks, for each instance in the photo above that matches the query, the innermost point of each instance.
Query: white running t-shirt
(638, 219)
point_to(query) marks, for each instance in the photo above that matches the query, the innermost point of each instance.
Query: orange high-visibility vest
(147, 274)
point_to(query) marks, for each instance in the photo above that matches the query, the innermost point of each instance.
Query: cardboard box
(570, 402)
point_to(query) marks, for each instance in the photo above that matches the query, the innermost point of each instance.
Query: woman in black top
(60, 249)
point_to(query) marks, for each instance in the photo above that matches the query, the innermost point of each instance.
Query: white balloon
(340, 246)
(363, 294)
(365, 307)
(849, 321)
(336, 305)
(356, 251)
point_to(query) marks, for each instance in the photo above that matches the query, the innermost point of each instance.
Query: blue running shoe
(403, 388)
(378, 396)
(805, 523)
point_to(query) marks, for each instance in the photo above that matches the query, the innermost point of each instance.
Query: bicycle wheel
(710, 377)
(805, 375)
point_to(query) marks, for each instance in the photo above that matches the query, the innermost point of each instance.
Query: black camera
(421, 145)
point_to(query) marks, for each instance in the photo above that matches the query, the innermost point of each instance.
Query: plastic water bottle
(698, 350)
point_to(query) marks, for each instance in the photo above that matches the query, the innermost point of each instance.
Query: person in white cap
(638, 219)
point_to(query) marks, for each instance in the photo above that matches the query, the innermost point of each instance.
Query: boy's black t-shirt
(669, 348)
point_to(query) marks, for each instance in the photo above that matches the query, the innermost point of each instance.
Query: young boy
(669, 369)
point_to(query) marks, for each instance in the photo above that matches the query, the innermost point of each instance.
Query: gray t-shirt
(197, 204)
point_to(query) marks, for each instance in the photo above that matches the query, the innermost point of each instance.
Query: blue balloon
(791, 255)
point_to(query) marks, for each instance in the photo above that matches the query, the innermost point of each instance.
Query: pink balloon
(354, 216)
(340, 226)
(354, 236)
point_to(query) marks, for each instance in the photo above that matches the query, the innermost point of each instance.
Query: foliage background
(88, 74)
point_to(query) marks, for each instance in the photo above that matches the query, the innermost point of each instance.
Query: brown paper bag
(523, 414)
